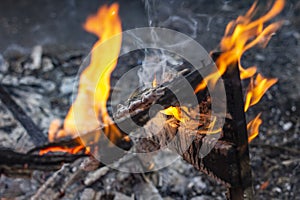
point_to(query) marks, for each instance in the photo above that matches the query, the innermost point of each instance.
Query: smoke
(196, 19)
(158, 63)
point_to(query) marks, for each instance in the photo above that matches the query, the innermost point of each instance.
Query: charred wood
(33, 131)
(19, 164)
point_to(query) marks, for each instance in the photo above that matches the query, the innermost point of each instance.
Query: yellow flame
(241, 35)
(94, 84)
(175, 112)
(253, 127)
(257, 88)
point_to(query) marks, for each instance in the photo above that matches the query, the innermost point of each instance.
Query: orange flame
(253, 127)
(257, 89)
(62, 149)
(241, 35)
(94, 86)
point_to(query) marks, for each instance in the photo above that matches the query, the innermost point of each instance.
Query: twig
(56, 185)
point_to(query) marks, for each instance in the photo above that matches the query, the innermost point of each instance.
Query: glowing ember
(257, 89)
(241, 35)
(94, 86)
(253, 127)
(63, 149)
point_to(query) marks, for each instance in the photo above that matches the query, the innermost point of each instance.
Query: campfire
(213, 144)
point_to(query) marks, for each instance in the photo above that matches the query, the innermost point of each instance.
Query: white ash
(88, 194)
(95, 175)
(45, 85)
(47, 64)
(204, 197)
(67, 85)
(120, 196)
(37, 107)
(10, 80)
(36, 58)
(12, 134)
(146, 190)
(197, 184)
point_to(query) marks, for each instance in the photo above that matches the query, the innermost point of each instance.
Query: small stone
(287, 126)
(260, 57)
(296, 35)
(287, 186)
(3, 65)
(47, 64)
(277, 190)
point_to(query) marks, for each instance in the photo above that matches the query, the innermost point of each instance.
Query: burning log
(225, 153)
(230, 153)
(19, 164)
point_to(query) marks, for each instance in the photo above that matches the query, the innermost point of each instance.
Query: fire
(63, 149)
(94, 85)
(257, 89)
(154, 82)
(175, 112)
(89, 111)
(241, 35)
(253, 127)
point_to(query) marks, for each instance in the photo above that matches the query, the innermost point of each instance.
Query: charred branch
(19, 164)
(33, 131)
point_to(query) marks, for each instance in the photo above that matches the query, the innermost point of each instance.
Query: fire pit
(110, 125)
